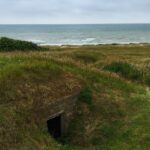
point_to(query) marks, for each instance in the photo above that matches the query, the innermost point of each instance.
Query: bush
(86, 96)
(7, 44)
(124, 69)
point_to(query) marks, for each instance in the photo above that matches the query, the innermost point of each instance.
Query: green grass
(124, 69)
(118, 120)
(129, 71)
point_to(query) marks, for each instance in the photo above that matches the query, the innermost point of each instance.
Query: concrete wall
(65, 107)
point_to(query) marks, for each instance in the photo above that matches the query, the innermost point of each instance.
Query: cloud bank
(74, 11)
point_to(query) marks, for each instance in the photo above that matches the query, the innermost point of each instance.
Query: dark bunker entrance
(54, 127)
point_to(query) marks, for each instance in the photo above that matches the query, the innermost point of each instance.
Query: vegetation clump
(130, 72)
(7, 44)
(124, 69)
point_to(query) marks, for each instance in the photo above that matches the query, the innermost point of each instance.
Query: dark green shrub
(124, 69)
(86, 96)
(7, 44)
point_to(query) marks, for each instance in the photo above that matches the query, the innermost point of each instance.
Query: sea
(80, 34)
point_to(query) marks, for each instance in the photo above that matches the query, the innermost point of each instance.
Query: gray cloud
(74, 11)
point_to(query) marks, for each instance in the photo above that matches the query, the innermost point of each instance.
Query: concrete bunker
(57, 115)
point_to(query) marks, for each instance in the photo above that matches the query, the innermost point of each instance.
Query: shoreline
(101, 44)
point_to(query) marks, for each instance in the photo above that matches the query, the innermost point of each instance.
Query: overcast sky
(74, 11)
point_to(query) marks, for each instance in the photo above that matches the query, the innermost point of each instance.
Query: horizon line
(71, 23)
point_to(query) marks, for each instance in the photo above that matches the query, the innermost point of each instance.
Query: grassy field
(113, 108)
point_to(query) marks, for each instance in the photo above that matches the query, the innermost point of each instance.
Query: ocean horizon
(78, 34)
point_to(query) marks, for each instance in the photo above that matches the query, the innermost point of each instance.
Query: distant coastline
(111, 44)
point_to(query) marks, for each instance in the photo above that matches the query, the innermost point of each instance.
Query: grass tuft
(124, 69)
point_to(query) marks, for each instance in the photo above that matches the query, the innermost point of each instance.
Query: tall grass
(146, 73)
(86, 57)
(129, 71)
(124, 69)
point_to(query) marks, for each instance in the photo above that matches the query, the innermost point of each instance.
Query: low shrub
(7, 44)
(124, 69)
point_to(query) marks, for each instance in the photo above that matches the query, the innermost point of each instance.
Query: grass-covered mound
(118, 118)
(7, 44)
(26, 86)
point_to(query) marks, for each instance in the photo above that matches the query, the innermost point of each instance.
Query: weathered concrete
(65, 107)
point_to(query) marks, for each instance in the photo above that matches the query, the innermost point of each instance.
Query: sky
(74, 11)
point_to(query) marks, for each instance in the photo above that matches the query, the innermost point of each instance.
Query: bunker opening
(54, 126)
